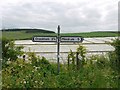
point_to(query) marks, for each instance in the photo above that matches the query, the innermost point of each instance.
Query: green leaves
(115, 55)
(10, 51)
(38, 72)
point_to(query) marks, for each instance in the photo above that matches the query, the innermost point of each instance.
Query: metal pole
(58, 48)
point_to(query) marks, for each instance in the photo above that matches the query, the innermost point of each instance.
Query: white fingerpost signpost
(58, 48)
(57, 39)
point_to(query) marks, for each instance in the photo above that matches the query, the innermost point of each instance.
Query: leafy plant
(71, 57)
(115, 55)
(10, 52)
(40, 73)
(81, 50)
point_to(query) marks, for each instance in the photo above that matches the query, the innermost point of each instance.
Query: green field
(21, 35)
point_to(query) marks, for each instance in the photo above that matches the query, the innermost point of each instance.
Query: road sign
(54, 39)
(44, 39)
(71, 39)
(57, 39)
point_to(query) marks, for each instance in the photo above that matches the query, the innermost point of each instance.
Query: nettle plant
(71, 56)
(81, 52)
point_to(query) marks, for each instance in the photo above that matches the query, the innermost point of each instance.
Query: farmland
(22, 35)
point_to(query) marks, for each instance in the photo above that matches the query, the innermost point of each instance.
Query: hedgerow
(38, 72)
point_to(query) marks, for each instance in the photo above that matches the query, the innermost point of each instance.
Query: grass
(97, 71)
(22, 35)
(93, 34)
(19, 74)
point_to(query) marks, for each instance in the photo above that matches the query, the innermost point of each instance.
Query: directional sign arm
(71, 39)
(44, 39)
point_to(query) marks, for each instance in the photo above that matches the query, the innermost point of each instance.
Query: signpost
(57, 39)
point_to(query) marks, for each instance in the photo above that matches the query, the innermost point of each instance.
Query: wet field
(49, 50)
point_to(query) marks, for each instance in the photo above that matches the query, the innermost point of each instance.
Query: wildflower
(24, 82)
(8, 62)
(41, 82)
(32, 71)
(35, 68)
(20, 81)
(36, 81)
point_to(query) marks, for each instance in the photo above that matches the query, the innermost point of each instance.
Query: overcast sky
(72, 15)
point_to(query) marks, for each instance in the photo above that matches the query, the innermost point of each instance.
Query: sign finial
(58, 27)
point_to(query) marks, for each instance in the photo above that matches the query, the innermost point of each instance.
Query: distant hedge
(30, 30)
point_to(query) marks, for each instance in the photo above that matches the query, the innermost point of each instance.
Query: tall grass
(38, 72)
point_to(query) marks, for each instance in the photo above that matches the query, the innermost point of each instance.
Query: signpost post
(57, 39)
(58, 48)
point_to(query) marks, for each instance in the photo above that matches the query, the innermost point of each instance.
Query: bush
(39, 73)
(10, 52)
(115, 58)
(77, 58)
(115, 55)
(81, 50)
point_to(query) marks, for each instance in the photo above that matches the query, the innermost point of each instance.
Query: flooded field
(49, 50)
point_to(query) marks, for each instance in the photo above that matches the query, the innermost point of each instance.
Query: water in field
(49, 50)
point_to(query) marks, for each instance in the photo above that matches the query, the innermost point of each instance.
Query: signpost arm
(58, 49)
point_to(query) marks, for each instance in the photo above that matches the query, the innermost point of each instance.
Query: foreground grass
(96, 71)
(20, 35)
(42, 74)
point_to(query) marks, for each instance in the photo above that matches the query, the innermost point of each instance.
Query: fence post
(77, 61)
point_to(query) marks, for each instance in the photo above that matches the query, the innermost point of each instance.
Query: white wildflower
(8, 62)
(32, 71)
(24, 82)
(35, 68)
(36, 81)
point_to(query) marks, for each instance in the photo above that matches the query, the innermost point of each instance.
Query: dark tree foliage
(30, 30)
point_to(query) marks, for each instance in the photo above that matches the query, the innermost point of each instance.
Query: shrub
(39, 73)
(10, 51)
(115, 55)
(82, 51)
(71, 57)
(115, 58)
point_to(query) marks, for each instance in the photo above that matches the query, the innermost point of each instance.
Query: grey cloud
(72, 17)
